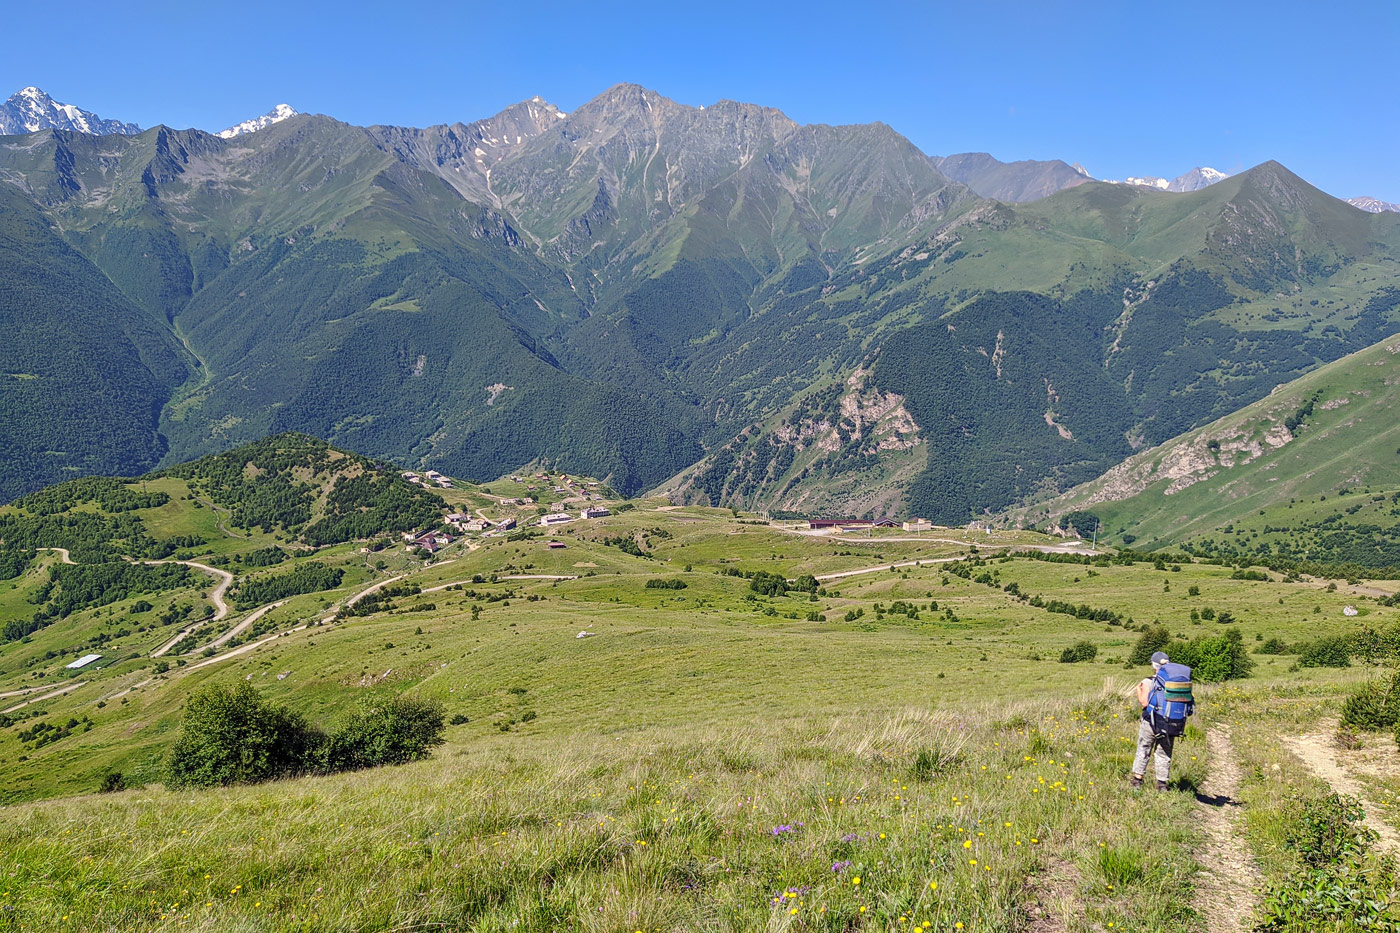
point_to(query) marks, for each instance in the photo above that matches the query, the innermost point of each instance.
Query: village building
(555, 518)
(596, 511)
(917, 524)
(505, 524)
(84, 661)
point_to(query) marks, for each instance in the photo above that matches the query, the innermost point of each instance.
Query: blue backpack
(1170, 701)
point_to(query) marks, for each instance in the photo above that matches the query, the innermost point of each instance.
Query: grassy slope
(1350, 440)
(643, 792)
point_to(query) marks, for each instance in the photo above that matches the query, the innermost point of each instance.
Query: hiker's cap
(1159, 658)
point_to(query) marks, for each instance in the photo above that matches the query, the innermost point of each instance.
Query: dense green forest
(274, 484)
(311, 577)
(83, 371)
(981, 394)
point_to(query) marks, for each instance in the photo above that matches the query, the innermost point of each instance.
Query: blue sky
(1125, 88)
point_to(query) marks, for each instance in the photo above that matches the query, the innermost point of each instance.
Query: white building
(555, 518)
(595, 512)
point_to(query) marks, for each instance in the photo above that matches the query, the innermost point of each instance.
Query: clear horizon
(1086, 84)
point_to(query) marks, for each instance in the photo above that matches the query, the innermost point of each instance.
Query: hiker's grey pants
(1158, 747)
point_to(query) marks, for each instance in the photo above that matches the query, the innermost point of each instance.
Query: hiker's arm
(1144, 691)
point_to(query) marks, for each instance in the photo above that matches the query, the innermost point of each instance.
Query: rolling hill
(1311, 472)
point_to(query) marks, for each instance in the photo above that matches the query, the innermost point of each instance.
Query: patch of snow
(275, 115)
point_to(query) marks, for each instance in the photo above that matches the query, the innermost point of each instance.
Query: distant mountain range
(30, 110)
(1374, 205)
(1194, 180)
(718, 302)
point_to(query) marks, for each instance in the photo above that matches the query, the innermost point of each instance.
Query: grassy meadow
(708, 758)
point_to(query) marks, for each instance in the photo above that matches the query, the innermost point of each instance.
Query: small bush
(1328, 651)
(656, 583)
(1272, 646)
(458, 719)
(1328, 829)
(1374, 705)
(112, 781)
(385, 731)
(1081, 651)
(1154, 638)
(1214, 658)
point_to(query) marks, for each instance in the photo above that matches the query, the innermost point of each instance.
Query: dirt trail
(216, 597)
(1055, 905)
(46, 696)
(883, 567)
(1228, 884)
(372, 589)
(62, 553)
(1319, 755)
(242, 627)
(225, 578)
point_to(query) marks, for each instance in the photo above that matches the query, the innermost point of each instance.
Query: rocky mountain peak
(30, 110)
(275, 115)
(1373, 205)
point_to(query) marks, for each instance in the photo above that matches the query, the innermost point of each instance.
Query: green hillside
(672, 694)
(1310, 472)
(83, 372)
(646, 292)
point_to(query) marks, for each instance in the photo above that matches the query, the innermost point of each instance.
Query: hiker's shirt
(1146, 684)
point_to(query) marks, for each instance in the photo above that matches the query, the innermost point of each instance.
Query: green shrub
(230, 735)
(1374, 705)
(1154, 638)
(112, 781)
(1272, 646)
(1081, 651)
(1324, 830)
(385, 731)
(1215, 657)
(656, 583)
(1328, 651)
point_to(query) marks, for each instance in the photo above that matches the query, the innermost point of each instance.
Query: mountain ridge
(631, 286)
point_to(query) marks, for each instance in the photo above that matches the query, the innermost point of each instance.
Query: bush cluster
(230, 735)
(1212, 658)
(1081, 651)
(1338, 885)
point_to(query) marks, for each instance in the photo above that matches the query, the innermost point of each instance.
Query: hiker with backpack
(1166, 702)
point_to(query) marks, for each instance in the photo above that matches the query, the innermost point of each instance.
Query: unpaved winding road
(221, 608)
(46, 696)
(242, 627)
(1319, 756)
(62, 553)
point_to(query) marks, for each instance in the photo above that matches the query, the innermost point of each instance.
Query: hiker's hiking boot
(1161, 785)
(1136, 782)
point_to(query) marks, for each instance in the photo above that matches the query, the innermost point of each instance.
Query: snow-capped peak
(1194, 180)
(275, 115)
(1373, 205)
(30, 110)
